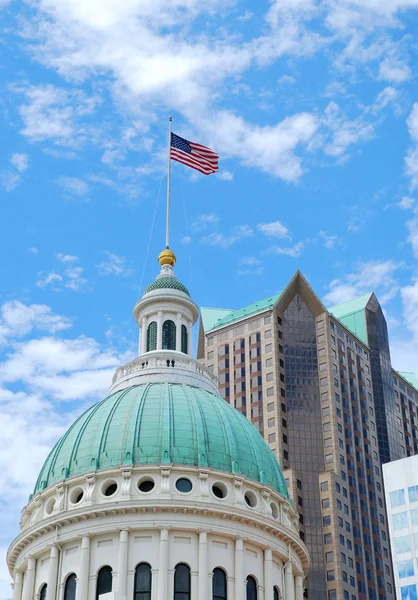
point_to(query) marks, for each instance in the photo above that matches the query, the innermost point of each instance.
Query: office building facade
(319, 386)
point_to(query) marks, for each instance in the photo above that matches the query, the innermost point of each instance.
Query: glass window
(219, 586)
(413, 493)
(251, 588)
(42, 595)
(184, 339)
(414, 516)
(402, 544)
(104, 582)
(397, 498)
(182, 582)
(70, 587)
(143, 581)
(152, 336)
(409, 592)
(276, 595)
(406, 568)
(400, 521)
(169, 335)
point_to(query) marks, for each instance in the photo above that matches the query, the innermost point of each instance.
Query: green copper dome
(162, 423)
(166, 283)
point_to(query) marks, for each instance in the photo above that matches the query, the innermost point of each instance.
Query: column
(53, 571)
(82, 590)
(123, 562)
(268, 574)
(160, 330)
(239, 570)
(299, 587)
(143, 343)
(163, 566)
(17, 585)
(178, 332)
(190, 339)
(29, 580)
(289, 582)
(203, 566)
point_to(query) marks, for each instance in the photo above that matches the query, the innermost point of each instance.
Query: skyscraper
(319, 386)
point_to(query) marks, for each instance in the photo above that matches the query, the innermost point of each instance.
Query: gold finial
(167, 257)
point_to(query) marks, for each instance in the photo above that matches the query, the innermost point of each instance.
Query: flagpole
(167, 223)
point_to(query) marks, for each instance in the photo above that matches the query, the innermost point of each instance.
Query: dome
(162, 283)
(162, 423)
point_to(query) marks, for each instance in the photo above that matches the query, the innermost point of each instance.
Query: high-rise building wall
(401, 490)
(305, 381)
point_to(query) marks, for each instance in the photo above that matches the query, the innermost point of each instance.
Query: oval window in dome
(146, 485)
(184, 485)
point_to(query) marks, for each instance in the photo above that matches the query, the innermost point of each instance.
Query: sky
(312, 106)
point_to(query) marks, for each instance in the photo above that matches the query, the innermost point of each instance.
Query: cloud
(205, 221)
(225, 241)
(292, 251)
(33, 250)
(18, 319)
(74, 188)
(275, 229)
(20, 162)
(114, 265)
(394, 69)
(406, 203)
(226, 175)
(329, 241)
(373, 276)
(250, 265)
(344, 132)
(186, 240)
(71, 277)
(287, 79)
(53, 113)
(412, 155)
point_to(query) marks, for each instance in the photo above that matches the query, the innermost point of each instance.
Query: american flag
(194, 155)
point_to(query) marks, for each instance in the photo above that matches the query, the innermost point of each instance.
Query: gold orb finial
(167, 257)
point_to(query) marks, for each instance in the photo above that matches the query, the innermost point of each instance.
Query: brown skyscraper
(305, 381)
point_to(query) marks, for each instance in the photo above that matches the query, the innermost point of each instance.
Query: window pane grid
(169, 335)
(152, 336)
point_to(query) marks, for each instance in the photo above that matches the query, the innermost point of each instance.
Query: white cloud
(394, 69)
(250, 265)
(9, 180)
(74, 187)
(20, 162)
(53, 113)
(226, 175)
(205, 221)
(186, 240)
(412, 155)
(225, 241)
(292, 251)
(373, 276)
(71, 277)
(287, 79)
(33, 250)
(344, 132)
(275, 229)
(329, 241)
(406, 203)
(114, 265)
(18, 319)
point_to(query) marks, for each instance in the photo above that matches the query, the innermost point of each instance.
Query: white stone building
(401, 491)
(162, 490)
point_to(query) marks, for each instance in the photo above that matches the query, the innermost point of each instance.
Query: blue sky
(312, 106)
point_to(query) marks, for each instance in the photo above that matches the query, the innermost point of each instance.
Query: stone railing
(156, 361)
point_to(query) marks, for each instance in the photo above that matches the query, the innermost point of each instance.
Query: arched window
(251, 588)
(276, 595)
(182, 582)
(104, 581)
(184, 339)
(152, 336)
(219, 585)
(169, 335)
(70, 587)
(42, 595)
(143, 579)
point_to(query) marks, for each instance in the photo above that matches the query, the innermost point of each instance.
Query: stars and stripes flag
(193, 155)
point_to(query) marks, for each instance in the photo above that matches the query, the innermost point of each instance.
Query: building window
(276, 594)
(184, 339)
(169, 335)
(409, 592)
(42, 595)
(182, 582)
(143, 581)
(152, 336)
(400, 521)
(406, 568)
(251, 588)
(70, 587)
(104, 581)
(397, 498)
(402, 544)
(413, 493)
(219, 585)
